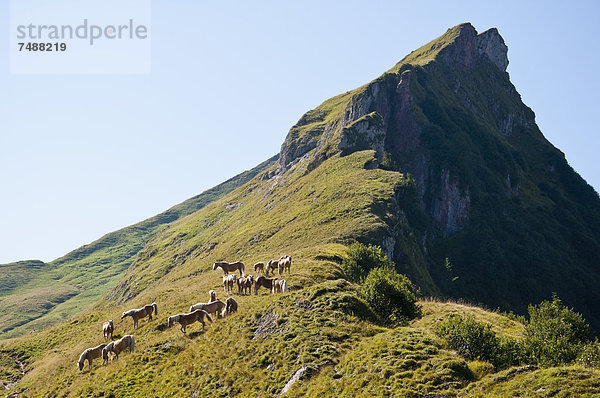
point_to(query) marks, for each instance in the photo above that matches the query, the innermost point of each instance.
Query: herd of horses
(197, 312)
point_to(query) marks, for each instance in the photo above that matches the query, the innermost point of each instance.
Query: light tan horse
(186, 319)
(231, 306)
(262, 281)
(279, 286)
(117, 346)
(90, 354)
(284, 263)
(136, 314)
(215, 307)
(230, 267)
(260, 268)
(245, 282)
(272, 265)
(108, 328)
(228, 283)
(212, 296)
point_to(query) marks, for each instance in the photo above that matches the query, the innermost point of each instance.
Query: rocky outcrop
(451, 208)
(491, 44)
(365, 133)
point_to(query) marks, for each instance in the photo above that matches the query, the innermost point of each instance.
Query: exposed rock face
(365, 133)
(451, 208)
(463, 51)
(492, 45)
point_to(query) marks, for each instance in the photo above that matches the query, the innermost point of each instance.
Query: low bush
(476, 341)
(590, 355)
(470, 338)
(555, 334)
(362, 259)
(390, 295)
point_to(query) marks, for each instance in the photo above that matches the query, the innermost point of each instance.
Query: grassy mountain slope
(35, 295)
(322, 324)
(342, 175)
(491, 195)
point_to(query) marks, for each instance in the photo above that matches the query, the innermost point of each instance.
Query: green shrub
(555, 333)
(510, 352)
(590, 355)
(470, 338)
(390, 295)
(362, 259)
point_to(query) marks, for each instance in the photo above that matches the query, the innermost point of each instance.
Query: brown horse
(279, 286)
(215, 307)
(264, 282)
(117, 346)
(259, 267)
(245, 282)
(230, 267)
(90, 354)
(231, 306)
(228, 283)
(284, 263)
(136, 314)
(272, 265)
(212, 296)
(186, 319)
(108, 328)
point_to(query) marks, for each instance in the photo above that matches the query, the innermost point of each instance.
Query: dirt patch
(266, 324)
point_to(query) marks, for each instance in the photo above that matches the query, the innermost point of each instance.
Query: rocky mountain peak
(491, 44)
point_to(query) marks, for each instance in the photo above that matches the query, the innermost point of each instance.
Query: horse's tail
(155, 308)
(132, 343)
(284, 287)
(243, 269)
(206, 315)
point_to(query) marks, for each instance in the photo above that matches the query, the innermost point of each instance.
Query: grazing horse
(279, 286)
(117, 346)
(108, 328)
(212, 296)
(230, 267)
(284, 263)
(231, 306)
(228, 283)
(136, 314)
(186, 319)
(90, 354)
(272, 265)
(245, 282)
(259, 267)
(264, 282)
(215, 307)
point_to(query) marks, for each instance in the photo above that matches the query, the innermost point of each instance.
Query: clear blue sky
(83, 155)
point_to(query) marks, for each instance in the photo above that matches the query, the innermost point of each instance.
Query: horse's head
(250, 278)
(124, 314)
(110, 322)
(215, 266)
(170, 321)
(82, 359)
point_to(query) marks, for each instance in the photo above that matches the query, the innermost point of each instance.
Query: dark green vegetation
(34, 295)
(440, 164)
(554, 335)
